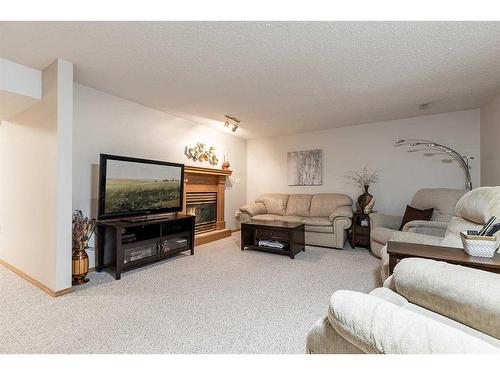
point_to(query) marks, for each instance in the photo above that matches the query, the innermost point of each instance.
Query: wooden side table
(453, 255)
(360, 230)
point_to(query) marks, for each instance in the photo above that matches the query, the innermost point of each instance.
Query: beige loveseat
(443, 201)
(425, 307)
(326, 216)
(471, 212)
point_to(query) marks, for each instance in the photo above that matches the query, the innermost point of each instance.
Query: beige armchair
(425, 307)
(472, 211)
(442, 200)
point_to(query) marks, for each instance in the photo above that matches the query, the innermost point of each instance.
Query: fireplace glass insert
(204, 207)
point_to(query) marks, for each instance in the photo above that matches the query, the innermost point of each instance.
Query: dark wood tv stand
(123, 245)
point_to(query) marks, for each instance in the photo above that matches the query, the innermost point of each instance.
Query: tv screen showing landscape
(135, 187)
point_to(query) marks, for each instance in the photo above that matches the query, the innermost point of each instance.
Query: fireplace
(204, 206)
(204, 196)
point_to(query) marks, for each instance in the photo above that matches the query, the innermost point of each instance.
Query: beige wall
(35, 221)
(20, 88)
(490, 143)
(350, 148)
(104, 123)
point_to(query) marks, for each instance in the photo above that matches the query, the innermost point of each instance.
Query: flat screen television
(131, 187)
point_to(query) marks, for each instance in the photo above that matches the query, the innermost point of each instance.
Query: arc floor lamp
(463, 160)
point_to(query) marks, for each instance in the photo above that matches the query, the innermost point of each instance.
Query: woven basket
(480, 246)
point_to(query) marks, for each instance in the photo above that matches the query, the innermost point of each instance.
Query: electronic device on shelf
(133, 189)
(126, 238)
(175, 243)
(133, 254)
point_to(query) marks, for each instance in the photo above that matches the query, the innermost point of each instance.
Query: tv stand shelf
(124, 244)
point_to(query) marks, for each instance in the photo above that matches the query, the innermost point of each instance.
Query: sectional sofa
(425, 307)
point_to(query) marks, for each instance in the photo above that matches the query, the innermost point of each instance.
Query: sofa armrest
(342, 211)
(385, 221)
(254, 209)
(430, 228)
(340, 226)
(389, 283)
(409, 237)
(377, 326)
(464, 294)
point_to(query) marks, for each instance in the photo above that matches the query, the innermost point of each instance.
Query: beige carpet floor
(221, 300)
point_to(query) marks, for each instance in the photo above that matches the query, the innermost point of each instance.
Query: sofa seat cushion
(317, 221)
(299, 205)
(293, 219)
(318, 224)
(268, 217)
(318, 228)
(459, 224)
(382, 235)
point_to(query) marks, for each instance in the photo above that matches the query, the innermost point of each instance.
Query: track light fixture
(232, 122)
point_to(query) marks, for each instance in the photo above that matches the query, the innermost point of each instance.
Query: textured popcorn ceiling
(278, 78)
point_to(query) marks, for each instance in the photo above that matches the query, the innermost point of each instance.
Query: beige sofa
(443, 201)
(425, 307)
(471, 212)
(326, 216)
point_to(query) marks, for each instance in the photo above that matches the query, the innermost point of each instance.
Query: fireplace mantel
(203, 179)
(206, 171)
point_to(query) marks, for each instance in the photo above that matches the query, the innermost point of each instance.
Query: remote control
(495, 228)
(484, 229)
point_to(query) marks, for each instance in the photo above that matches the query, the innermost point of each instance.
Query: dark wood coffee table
(401, 250)
(292, 234)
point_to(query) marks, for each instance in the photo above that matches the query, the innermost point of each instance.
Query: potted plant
(363, 179)
(83, 228)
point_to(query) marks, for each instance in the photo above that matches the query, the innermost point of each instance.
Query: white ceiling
(277, 77)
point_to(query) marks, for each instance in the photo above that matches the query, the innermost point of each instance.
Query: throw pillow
(412, 213)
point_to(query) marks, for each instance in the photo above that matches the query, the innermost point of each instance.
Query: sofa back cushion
(479, 205)
(442, 200)
(323, 205)
(275, 203)
(467, 295)
(299, 205)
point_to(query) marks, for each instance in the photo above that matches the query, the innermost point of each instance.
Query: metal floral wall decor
(201, 153)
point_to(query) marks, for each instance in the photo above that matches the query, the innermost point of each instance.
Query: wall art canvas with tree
(305, 168)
